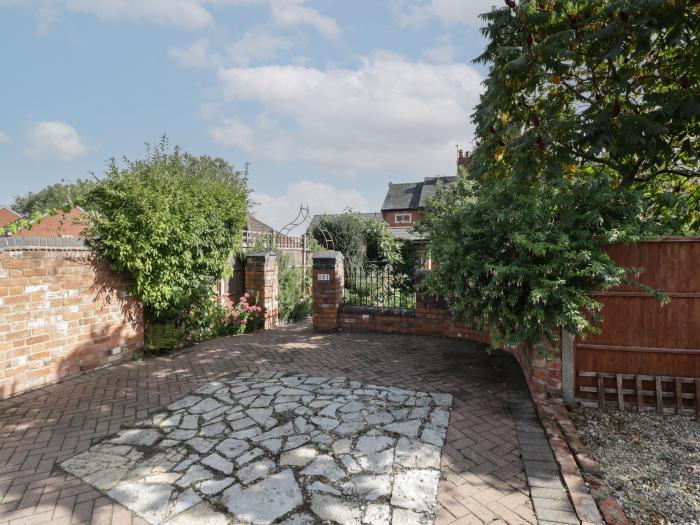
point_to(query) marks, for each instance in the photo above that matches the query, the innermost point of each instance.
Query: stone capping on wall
(43, 243)
(327, 259)
(377, 310)
(260, 257)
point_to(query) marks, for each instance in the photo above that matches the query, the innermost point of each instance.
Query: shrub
(172, 222)
(163, 337)
(521, 260)
(213, 319)
(358, 238)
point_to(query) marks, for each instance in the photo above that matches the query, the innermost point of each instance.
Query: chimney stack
(463, 160)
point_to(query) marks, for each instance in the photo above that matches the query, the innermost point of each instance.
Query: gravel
(651, 461)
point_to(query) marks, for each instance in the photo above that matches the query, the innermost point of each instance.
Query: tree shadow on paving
(40, 429)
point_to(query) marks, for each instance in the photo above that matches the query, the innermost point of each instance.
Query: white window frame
(399, 218)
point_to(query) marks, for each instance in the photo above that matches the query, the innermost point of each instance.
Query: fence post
(568, 368)
(304, 263)
(327, 289)
(262, 285)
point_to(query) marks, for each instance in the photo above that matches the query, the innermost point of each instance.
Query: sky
(327, 100)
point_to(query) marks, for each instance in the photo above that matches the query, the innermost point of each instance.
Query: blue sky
(328, 100)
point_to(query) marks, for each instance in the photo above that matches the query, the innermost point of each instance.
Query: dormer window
(403, 218)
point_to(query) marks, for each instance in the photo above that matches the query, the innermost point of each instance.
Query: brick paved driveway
(483, 480)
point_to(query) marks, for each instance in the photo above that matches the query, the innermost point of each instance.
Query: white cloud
(387, 114)
(4, 137)
(54, 140)
(197, 54)
(255, 45)
(443, 51)
(411, 12)
(320, 197)
(295, 13)
(191, 15)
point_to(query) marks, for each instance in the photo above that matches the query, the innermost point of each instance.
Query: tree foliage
(172, 222)
(610, 84)
(521, 260)
(586, 134)
(56, 196)
(358, 238)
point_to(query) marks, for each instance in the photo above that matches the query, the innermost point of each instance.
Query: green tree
(586, 134)
(608, 84)
(358, 238)
(56, 196)
(172, 222)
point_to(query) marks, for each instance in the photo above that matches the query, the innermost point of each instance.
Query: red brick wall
(262, 284)
(428, 319)
(62, 312)
(390, 218)
(327, 289)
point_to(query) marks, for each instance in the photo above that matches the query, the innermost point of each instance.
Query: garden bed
(651, 461)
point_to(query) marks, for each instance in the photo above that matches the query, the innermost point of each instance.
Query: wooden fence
(647, 355)
(295, 248)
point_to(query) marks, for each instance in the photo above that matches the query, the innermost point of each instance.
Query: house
(255, 225)
(62, 224)
(7, 216)
(405, 204)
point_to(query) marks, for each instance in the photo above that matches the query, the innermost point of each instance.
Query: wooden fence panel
(641, 337)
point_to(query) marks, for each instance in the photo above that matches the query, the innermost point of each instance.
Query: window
(402, 218)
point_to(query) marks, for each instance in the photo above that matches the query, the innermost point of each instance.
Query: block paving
(482, 475)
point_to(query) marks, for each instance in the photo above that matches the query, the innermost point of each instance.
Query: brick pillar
(262, 285)
(327, 289)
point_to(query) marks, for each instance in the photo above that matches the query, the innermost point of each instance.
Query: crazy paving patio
(285, 426)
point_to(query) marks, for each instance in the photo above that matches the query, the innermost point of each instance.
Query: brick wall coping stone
(42, 243)
(260, 257)
(322, 259)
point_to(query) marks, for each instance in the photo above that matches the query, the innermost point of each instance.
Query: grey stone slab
(371, 444)
(552, 504)
(539, 492)
(194, 474)
(298, 457)
(557, 516)
(377, 514)
(405, 428)
(413, 453)
(416, 490)
(324, 466)
(218, 463)
(408, 517)
(336, 510)
(232, 448)
(255, 471)
(142, 437)
(371, 487)
(148, 501)
(265, 501)
(201, 514)
(212, 487)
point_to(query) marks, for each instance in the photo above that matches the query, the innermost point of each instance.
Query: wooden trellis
(680, 395)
